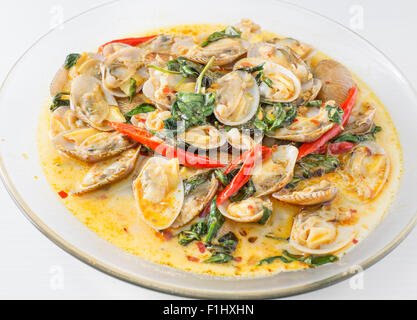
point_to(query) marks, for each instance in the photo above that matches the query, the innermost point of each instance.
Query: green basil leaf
(229, 32)
(244, 192)
(186, 237)
(214, 222)
(219, 258)
(192, 183)
(71, 60)
(314, 103)
(266, 214)
(142, 108)
(270, 260)
(335, 114)
(315, 165)
(57, 101)
(132, 89)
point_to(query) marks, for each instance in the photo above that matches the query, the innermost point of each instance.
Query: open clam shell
(318, 233)
(276, 172)
(248, 210)
(237, 98)
(159, 192)
(203, 137)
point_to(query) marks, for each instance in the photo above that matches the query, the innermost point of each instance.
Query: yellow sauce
(112, 212)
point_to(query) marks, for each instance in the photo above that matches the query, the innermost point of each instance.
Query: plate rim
(177, 290)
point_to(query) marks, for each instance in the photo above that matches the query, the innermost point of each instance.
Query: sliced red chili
(63, 194)
(347, 106)
(130, 41)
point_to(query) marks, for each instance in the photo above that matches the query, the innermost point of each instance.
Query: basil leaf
(229, 32)
(229, 242)
(200, 228)
(314, 103)
(71, 60)
(270, 260)
(132, 89)
(214, 222)
(186, 237)
(57, 101)
(191, 109)
(257, 68)
(312, 261)
(192, 70)
(192, 183)
(142, 108)
(276, 116)
(315, 165)
(370, 136)
(244, 192)
(219, 258)
(197, 230)
(335, 114)
(294, 182)
(266, 214)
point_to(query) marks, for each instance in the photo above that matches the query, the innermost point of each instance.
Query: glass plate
(26, 88)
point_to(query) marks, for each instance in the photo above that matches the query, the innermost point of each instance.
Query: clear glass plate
(25, 92)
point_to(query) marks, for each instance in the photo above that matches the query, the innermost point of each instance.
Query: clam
(160, 88)
(283, 85)
(301, 49)
(159, 192)
(242, 140)
(203, 137)
(91, 145)
(282, 56)
(58, 82)
(226, 51)
(93, 104)
(64, 119)
(276, 172)
(365, 172)
(120, 67)
(250, 31)
(196, 201)
(176, 45)
(87, 64)
(237, 98)
(336, 80)
(109, 171)
(319, 232)
(322, 192)
(361, 120)
(310, 124)
(248, 210)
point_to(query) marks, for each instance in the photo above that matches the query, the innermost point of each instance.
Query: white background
(29, 262)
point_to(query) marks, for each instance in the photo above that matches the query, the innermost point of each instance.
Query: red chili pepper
(347, 107)
(148, 139)
(130, 41)
(201, 247)
(341, 147)
(192, 259)
(266, 152)
(241, 177)
(63, 194)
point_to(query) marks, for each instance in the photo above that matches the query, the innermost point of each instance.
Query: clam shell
(107, 172)
(91, 145)
(276, 172)
(308, 127)
(225, 50)
(195, 202)
(241, 86)
(319, 193)
(249, 210)
(336, 79)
